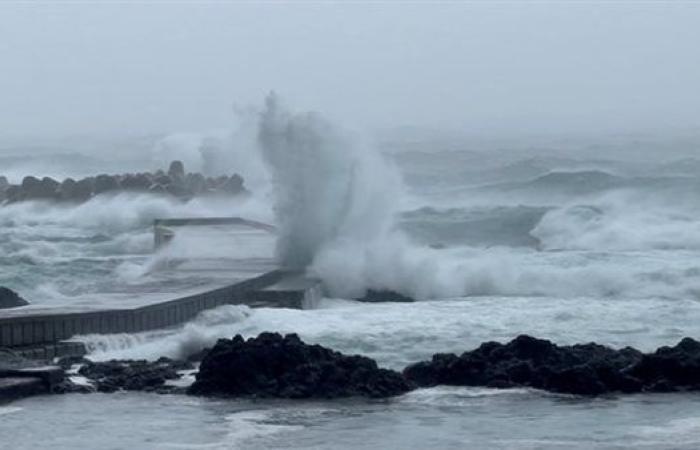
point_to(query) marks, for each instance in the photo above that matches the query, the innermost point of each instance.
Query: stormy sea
(568, 238)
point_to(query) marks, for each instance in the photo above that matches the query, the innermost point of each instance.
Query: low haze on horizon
(548, 67)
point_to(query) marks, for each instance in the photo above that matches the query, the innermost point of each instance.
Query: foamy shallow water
(396, 334)
(430, 418)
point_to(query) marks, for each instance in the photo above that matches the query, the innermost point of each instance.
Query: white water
(329, 192)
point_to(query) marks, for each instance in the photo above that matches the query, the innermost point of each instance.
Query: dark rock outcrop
(33, 188)
(106, 183)
(670, 368)
(66, 191)
(176, 183)
(139, 182)
(271, 365)
(378, 296)
(84, 189)
(196, 183)
(133, 375)
(588, 369)
(68, 387)
(10, 299)
(67, 362)
(232, 185)
(176, 171)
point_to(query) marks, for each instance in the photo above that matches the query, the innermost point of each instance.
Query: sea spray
(336, 203)
(328, 189)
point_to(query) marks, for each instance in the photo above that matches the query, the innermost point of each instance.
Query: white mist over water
(329, 191)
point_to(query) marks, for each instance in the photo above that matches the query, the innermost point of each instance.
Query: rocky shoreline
(275, 366)
(174, 183)
(583, 369)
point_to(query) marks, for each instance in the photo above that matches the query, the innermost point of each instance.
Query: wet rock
(176, 171)
(66, 190)
(139, 182)
(271, 365)
(13, 193)
(69, 387)
(198, 356)
(33, 188)
(106, 183)
(212, 183)
(158, 189)
(163, 180)
(196, 183)
(10, 298)
(375, 296)
(177, 189)
(67, 362)
(175, 184)
(670, 368)
(589, 369)
(132, 375)
(232, 185)
(83, 189)
(49, 187)
(30, 185)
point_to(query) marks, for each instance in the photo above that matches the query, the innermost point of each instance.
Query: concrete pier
(163, 228)
(39, 333)
(21, 378)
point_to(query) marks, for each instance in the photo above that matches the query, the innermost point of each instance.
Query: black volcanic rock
(670, 368)
(271, 365)
(588, 369)
(132, 375)
(176, 183)
(139, 182)
(67, 189)
(378, 296)
(176, 171)
(10, 299)
(232, 185)
(196, 183)
(83, 189)
(106, 183)
(33, 188)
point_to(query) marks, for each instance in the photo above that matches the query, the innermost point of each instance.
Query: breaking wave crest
(336, 204)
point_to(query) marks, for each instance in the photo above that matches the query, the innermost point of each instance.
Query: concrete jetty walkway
(40, 333)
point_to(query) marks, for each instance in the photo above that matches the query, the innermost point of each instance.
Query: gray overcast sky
(140, 67)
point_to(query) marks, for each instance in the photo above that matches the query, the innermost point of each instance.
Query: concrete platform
(23, 379)
(14, 388)
(294, 290)
(39, 332)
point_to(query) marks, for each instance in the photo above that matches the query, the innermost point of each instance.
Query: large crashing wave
(336, 204)
(327, 190)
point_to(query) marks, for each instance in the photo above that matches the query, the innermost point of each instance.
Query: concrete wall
(32, 330)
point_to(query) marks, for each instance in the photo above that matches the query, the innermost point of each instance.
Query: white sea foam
(5, 410)
(335, 202)
(329, 190)
(623, 221)
(399, 334)
(200, 333)
(247, 425)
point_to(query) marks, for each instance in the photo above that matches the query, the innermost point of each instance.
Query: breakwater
(41, 333)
